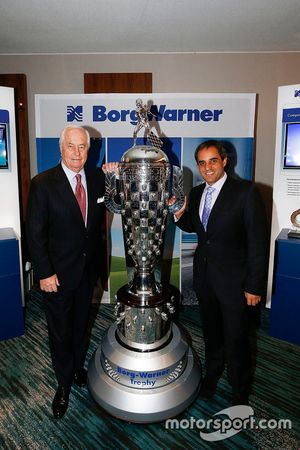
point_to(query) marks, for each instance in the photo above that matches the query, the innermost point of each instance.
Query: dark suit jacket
(233, 250)
(57, 238)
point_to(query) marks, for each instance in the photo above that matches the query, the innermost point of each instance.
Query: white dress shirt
(217, 188)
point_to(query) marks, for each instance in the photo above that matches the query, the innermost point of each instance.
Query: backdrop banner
(182, 121)
(286, 183)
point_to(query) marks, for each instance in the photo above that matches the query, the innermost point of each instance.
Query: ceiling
(108, 26)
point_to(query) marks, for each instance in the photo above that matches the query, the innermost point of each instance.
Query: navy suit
(231, 258)
(60, 243)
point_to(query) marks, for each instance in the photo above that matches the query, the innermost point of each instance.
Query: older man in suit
(65, 215)
(230, 265)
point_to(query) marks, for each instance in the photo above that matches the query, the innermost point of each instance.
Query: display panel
(4, 155)
(291, 158)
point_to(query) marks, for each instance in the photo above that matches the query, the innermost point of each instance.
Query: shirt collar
(70, 174)
(218, 184)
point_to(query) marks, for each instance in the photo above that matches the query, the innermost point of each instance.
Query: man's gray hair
(73, 127)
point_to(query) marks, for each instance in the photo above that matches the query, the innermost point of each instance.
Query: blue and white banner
(286, 183)
(181, 120)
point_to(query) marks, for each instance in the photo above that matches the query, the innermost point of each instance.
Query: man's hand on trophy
(111, 167)
(179, 213)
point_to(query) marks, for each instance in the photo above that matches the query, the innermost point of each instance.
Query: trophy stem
(144, 283)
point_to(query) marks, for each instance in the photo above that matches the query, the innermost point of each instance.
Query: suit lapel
(91, 197)
(197, 208)
(223, 197)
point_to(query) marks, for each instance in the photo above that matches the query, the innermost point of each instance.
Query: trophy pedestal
(143, 387)
(294, 234)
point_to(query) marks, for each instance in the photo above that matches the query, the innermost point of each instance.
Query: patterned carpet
(27, 386)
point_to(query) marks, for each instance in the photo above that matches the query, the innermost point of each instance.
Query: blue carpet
(27, 386)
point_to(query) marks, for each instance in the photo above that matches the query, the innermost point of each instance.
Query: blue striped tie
(207, 206)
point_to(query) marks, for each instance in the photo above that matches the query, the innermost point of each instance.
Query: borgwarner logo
(240, 417)
(101, 113)
(74, 113)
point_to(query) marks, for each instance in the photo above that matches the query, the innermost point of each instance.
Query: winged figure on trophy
(143, 112)
(144, 370)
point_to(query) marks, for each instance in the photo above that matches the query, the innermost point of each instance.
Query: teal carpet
(27, 386)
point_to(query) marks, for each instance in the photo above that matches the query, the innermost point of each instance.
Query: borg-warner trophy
(144, 371)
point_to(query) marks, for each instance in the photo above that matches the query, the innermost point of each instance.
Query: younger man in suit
(230, 265)
(65, 213)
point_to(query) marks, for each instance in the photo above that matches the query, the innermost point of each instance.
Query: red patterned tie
(80, 195)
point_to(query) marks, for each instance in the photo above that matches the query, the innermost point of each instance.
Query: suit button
(84, 254)
(208, 241)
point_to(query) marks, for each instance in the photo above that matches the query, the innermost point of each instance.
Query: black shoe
(60, 401)
(80, 377)
(239, 399)
(208, 388)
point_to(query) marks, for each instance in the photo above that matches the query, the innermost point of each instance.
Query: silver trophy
(144, 371)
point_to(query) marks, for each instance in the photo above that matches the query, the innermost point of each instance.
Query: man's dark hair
(211, 143)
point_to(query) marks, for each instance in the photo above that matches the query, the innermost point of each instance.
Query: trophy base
(294, 234)
(144, 387)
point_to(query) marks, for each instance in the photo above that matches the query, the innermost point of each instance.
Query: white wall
(9, 188)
